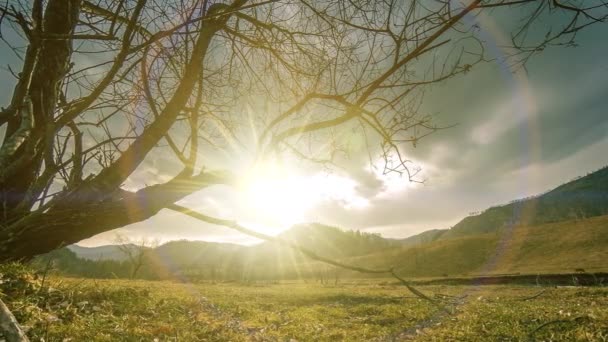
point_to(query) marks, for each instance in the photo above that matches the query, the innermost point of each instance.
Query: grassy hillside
(424, 237)
(581, 198)
(552, 247)
(562, 246)
(559, 247)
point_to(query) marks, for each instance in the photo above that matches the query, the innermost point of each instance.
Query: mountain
(424, 237)
(184, 252)
(107, 252)
(210, 259)
(335, 242)
(549, 247)
(580, 198)
(321, 239)
(560, 230)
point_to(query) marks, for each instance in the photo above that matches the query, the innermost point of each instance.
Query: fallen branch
(558, 321)
(534, 296)
(412, 289)
(234, 225)
(9, 327)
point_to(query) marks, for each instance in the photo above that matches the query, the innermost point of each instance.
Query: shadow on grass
(348, 300)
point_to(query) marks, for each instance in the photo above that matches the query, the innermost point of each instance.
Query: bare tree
(105, 85)
(135, 251)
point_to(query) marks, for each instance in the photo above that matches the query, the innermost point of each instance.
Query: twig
(44, 274)
(534, 296)
(558, 321)
(9, 326)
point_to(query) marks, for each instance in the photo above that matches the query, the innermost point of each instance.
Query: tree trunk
(89, 213)
(52, 64)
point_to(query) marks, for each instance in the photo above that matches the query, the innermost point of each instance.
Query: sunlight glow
(277, 196)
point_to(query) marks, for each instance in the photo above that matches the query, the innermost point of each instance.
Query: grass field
(69, 309)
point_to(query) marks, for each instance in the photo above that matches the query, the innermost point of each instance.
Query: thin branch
(576, 320)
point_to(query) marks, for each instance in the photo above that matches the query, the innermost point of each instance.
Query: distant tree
(135, 251)
(104, 84)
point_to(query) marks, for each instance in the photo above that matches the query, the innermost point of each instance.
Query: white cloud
(512, 112)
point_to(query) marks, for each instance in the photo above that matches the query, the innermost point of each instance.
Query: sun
(277, 196)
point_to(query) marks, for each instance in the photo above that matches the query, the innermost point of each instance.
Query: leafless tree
(106, 85)
(135, 251)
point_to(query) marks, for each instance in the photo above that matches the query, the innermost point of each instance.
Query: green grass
(559, 247)
(121, 310)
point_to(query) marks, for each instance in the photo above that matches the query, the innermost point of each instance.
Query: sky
(516, 134)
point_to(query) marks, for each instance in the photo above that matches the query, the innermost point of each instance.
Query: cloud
(504, 118)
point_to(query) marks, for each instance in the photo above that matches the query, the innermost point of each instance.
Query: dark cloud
(525, 142)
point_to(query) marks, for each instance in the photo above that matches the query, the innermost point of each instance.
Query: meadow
(73, 309)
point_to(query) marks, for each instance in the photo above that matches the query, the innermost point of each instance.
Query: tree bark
(53, 62)
(82, 215)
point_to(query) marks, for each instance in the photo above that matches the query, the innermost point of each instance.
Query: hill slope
(266, 260)
(545, 248)
(107, 252)
(581, 198)
(322, 239)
